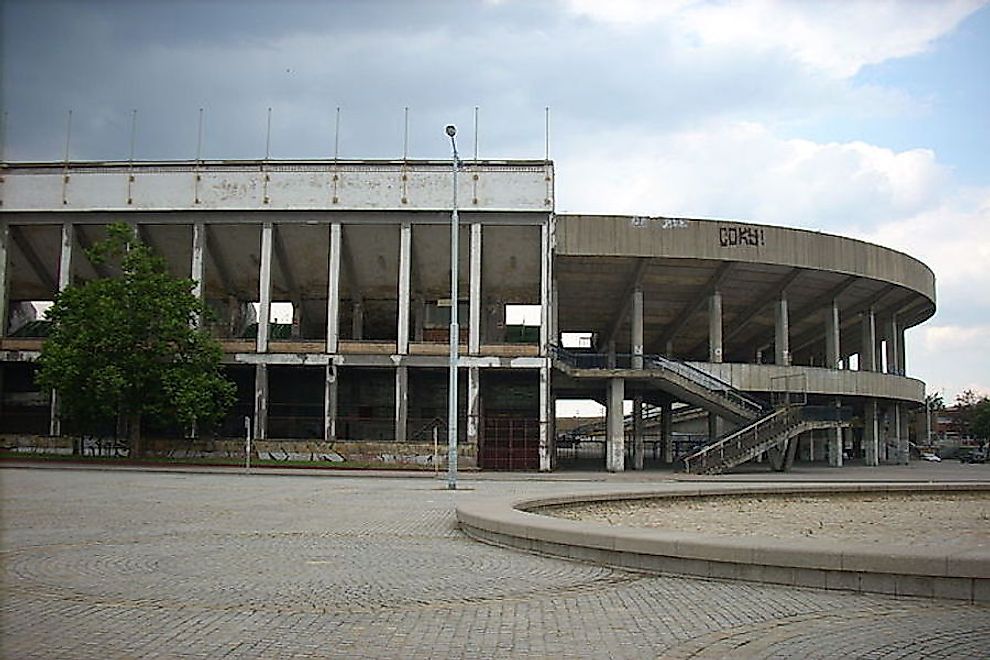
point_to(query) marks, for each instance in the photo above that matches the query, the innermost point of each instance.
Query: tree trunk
(134, 428)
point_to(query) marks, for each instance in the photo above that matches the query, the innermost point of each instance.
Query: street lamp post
(451, 131)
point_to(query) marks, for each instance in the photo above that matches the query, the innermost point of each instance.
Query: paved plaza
(172, 564)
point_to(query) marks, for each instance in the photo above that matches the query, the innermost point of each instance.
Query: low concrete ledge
(888, 568)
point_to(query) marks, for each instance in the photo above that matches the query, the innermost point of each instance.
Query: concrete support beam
(214, 251)
(401, 402)
(672, 330)
(892, 336)
(547, 449)
(330, 404)
(474, 300)
(637, 329)
(901, 351)
(715, 327)
(871, 433)
(4, 282)
(667, 430)
(265, 287)
(37, 266)
(405, 273)
(473, 408)
(835, 442)
(333, 289)
(782, 334)
(555, 312)
(546, 274)
(196, 268)
(611, 359)
(833, 350)
(64, 280)
(615, 440)
(712, 427)
(66, 255)
(634, 281)
(868, 341)
(638, 444)
(261, 401)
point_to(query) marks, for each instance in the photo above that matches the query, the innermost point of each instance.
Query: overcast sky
(867, 119)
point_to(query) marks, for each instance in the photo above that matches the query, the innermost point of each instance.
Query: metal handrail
(746, 438)
(661, 363)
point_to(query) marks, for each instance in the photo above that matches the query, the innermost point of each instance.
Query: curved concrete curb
(887, 569)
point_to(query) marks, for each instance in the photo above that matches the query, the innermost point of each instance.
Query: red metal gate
(510, 443)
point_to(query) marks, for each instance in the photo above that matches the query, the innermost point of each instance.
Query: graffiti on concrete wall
(736, 236)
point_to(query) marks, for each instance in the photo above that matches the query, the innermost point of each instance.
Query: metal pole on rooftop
(451, 131)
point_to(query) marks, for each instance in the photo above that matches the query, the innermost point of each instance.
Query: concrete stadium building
(777, 344)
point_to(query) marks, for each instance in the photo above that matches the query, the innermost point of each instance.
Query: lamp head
(451, 130)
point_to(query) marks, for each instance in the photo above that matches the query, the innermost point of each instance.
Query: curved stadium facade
(731, 342)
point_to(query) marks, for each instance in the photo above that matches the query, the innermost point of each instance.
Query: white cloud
(952, 239)
(743, 170)
(946, 338)
(837, 37)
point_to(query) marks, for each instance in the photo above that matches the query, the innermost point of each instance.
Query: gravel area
(947, 520)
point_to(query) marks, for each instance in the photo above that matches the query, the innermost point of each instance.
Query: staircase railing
(703, 379)
(742, 441)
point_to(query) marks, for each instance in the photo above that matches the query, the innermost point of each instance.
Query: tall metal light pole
(451, 131)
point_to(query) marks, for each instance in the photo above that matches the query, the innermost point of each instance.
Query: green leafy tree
(981, 419)
(128, 347)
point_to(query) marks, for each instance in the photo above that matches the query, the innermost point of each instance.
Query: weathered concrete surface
(124, 563)
(883, 568)
(735, 241)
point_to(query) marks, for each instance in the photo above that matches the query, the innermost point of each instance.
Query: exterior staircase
(769, 432)
(683, 381)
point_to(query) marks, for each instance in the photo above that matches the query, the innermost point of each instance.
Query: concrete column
(715, 327)
(265, 287)
(901, 351)
(782, 335)
(712, 427)
(668, 348)
(667, 426)
(357, 319)
(615, 441)
(405, 276)
(638, 444)
(196, 271)
(637, 331)
(546, 420)
(333, 290)
(330, 404)
(401, 402)
(65, 256)
(833, 350)
(474, 301)
(554, 312)
(261, 401)
(4, 280)
(473, 408)
(546, 273)
(64, 279)
(871, 433)
(297, 319)
(611, 359)
(835, 441)
(868, 341)
(893, 352)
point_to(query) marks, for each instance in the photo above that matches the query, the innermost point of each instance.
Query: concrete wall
(735, 241)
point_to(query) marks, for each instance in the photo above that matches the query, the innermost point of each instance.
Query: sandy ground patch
(959, 521)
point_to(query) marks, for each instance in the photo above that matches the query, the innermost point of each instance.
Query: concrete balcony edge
(888, 568)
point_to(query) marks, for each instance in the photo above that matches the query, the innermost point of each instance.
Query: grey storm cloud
(372, 59)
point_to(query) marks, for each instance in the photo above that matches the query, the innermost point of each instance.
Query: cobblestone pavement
(125, 564)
